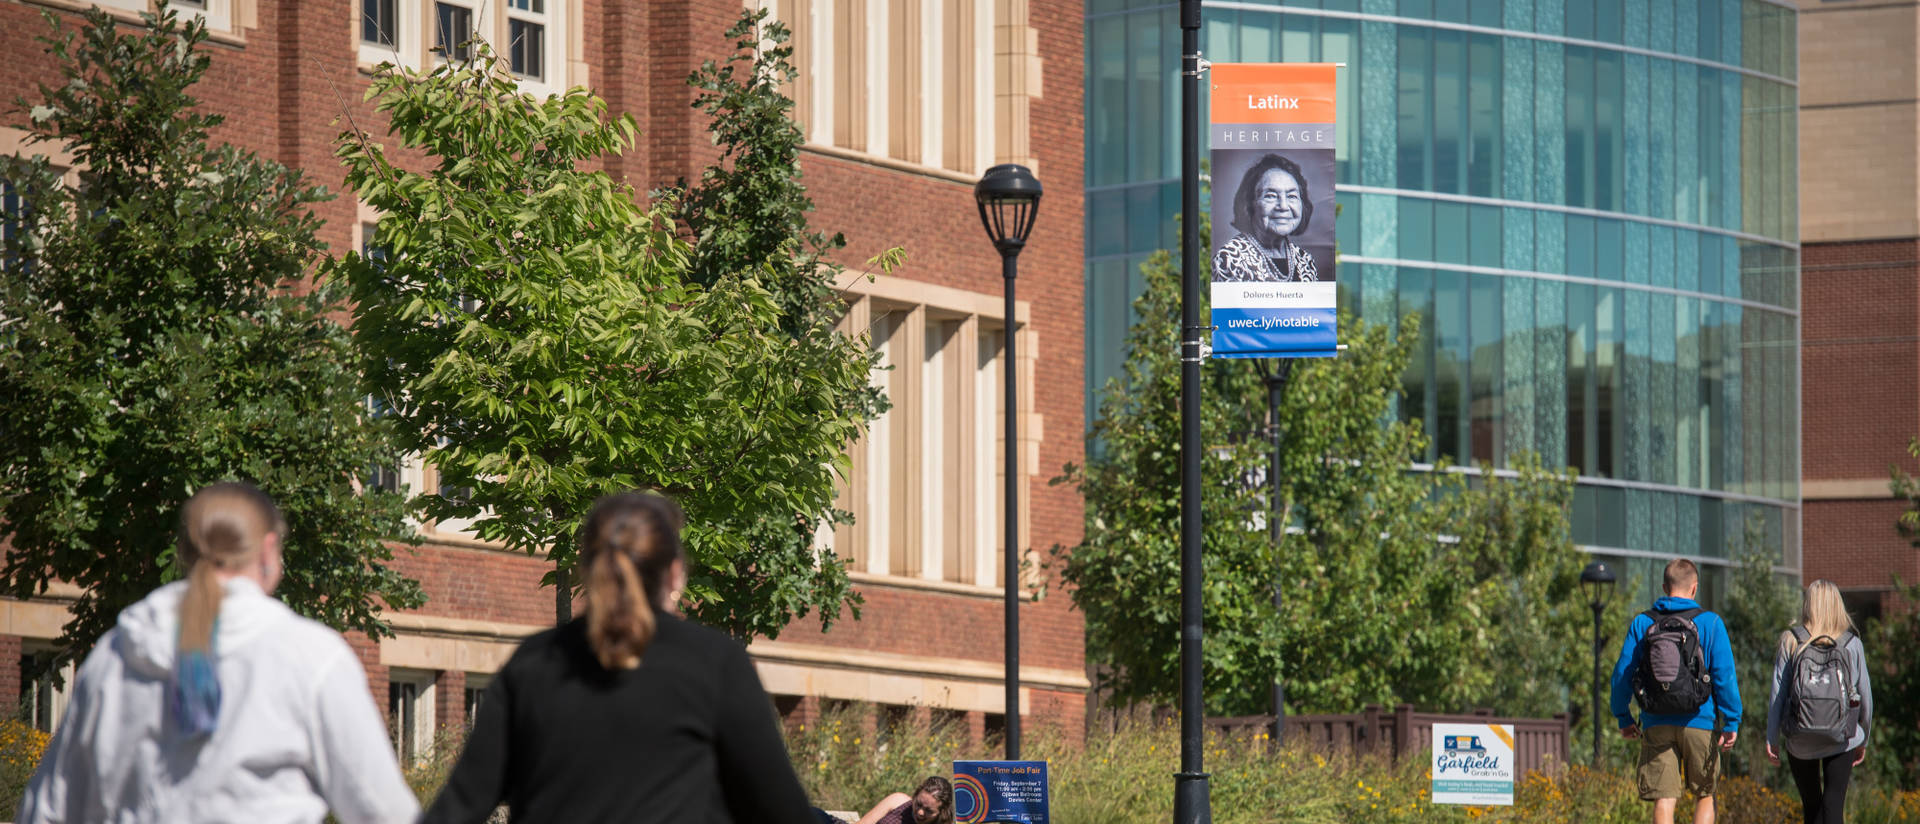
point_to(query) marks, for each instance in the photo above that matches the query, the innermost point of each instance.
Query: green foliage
(1513, 530)
(540, 343)
(152, 345)
(1398, 585)
(1894, 752)
(1123, 775)
(747, 217)
(1759, 606)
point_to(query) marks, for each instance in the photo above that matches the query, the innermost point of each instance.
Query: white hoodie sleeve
(354, 766)
(65, 780)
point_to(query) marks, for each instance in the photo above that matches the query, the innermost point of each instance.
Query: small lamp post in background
(1597, 582)
(1009, 196)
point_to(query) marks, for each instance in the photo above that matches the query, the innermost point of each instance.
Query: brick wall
(9, 675)
(1860, 403)
(293, 85)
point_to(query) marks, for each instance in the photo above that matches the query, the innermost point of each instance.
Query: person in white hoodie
(212, 702)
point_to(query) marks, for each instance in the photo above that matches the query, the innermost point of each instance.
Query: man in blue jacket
(1678, 747)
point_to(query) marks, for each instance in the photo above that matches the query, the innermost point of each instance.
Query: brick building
(905, 102)
(1860, 253)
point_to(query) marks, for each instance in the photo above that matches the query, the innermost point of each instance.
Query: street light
(1009, 196)
(1597, 582)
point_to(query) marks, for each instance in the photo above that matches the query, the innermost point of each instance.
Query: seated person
(932, 803)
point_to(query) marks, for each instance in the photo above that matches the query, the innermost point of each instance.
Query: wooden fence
(1540, 744)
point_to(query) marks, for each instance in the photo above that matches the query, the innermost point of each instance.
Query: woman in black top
(630, 714)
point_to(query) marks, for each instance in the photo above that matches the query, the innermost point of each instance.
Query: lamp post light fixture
(1597, 582)
(1008, 196)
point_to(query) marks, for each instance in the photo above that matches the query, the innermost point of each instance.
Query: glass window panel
(1609, 248)
(1662, 432)
(1484, 248)
(1636, 408)
(1485, 438)
(1416, 229)
(1483, 117)
(1298, 39)
(1713, 391)
(1608, 352)
(1450, 100)
(1416, 388)
(1690, 413)
(1337, 46)
(1347, 223)
(379, 22)
(1517, 365)
(1582, 380)
(1258, 36)
(1147, 93)
(1450, 236)
(1609, 137)
(526, 48)
(1416, 8)
(1452, 11)
(1414, 118)
(453, 32)
(1516, 111)
(1579, 20)
(1107, 107)
(1609, 22)
(1579, 127)
(1106, 219)
(1143, 218)
(1580, 246)
(1450, 358)
(1484, 13)
(1550, 368)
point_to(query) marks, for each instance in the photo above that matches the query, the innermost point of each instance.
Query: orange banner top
(1272, 92)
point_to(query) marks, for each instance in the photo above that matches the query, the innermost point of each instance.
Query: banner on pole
(1473, 764)
(1273, 174)
(1012, 792)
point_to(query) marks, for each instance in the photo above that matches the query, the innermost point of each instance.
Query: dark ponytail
(627, 544)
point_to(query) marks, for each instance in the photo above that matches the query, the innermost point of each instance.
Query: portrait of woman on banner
(1273, 206)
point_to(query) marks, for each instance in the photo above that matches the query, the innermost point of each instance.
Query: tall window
(527, 38)
(453, 31)
(476, 691)
(410, 714)
(380, 22)
(44, 686)
(926, 487)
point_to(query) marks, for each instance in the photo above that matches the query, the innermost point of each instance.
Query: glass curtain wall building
(1592, 206)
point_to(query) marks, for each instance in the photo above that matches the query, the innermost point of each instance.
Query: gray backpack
(1823, 697)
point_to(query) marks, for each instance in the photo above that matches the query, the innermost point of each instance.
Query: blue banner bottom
(1256, 332)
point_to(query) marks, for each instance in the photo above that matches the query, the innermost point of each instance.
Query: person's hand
(1772, 757)
(1727, 739)
(1860, 755)
(1630, 731)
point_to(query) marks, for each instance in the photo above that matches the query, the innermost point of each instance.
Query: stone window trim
(227, 20)
(564, 53)
(925, 519)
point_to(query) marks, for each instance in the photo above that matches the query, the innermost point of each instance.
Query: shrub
(20, 749)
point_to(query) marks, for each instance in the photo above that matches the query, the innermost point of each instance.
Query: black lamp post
(1191, 796)
(1597, 582)
(1009, 196)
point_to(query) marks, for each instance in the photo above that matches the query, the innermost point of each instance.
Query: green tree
(1514, 531)
(1376, 608)
(540, 342)
(747, 218)
(1760, 604)
(153, 344)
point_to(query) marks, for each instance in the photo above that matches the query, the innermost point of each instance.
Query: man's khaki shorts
(1666, 753)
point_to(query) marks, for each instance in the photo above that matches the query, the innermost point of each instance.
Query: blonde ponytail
(223, 528)
(627, 544)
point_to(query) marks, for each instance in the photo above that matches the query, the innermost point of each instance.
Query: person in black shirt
(630, 714)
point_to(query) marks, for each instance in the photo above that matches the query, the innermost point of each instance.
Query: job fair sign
(1473, 764)
(1273, 280)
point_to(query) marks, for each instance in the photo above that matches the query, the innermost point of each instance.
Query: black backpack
(1823, 699)
(1671, 677)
